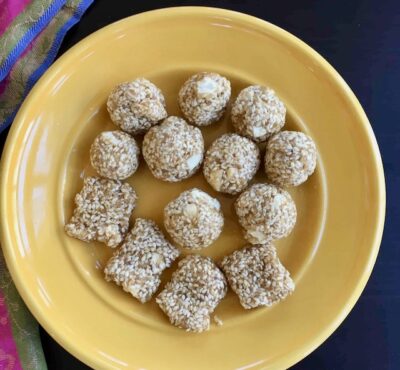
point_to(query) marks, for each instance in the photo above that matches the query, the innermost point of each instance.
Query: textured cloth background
(31, 33)
(29, 44)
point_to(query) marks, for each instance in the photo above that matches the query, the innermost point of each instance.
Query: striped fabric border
(25, 27)
(34, 63)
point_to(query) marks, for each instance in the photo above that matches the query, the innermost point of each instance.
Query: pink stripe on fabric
(9, 359)
(9, 10)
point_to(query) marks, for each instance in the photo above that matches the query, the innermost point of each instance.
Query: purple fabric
(9, 359)
(9, 10)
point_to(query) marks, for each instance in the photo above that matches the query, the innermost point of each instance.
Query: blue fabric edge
(80, 10)
(30, 34)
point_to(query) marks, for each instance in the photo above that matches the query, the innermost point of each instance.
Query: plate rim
(5, 238)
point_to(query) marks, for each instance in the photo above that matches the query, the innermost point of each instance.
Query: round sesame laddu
(204, 97)
(173, 150)
(230, 163)
(257, 113)
(266, 213)
(194, 220)
(136, 106)
(290, 158)
(115, 155)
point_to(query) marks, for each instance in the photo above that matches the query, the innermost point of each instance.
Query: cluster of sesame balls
(174, 150)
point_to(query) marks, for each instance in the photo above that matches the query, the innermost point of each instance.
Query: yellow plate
(341, 208)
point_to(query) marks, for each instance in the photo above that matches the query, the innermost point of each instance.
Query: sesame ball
(230, 163)
(266, 213)
(203, 98)
(258, 113)
(194, 219)
(290, 158)
(173, 150)
(136, 106)
(114, 155)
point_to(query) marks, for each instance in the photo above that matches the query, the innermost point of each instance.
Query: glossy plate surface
(330, 253)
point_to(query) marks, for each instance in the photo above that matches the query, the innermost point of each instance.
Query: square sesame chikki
(257, 276)
(193, 293)
(138, 264)
(103, 209)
